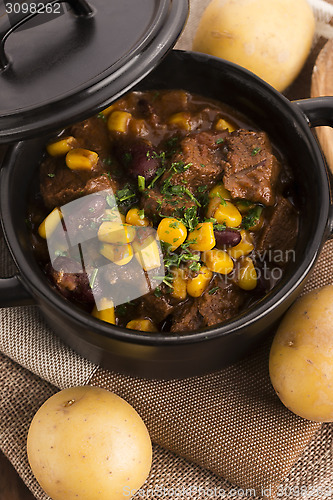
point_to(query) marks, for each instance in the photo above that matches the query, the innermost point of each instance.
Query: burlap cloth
(224, 435)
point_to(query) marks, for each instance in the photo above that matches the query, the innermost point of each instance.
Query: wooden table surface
(11, 485)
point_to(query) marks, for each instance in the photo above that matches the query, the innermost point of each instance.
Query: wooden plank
(11, 485)
(322, 85)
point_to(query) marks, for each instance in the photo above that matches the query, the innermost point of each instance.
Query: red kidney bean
(138, 158)
(227, 238)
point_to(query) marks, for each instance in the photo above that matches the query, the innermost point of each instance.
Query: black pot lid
(69, 61)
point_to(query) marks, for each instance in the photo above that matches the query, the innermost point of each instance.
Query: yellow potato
(88, 443)
(271, 38)
(301, 357)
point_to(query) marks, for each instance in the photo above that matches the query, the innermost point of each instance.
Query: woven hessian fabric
(224, 435)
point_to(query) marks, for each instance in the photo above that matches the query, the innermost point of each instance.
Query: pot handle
(13, 293)
(318, 111)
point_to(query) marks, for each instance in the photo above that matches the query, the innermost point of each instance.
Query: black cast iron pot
(159, 355)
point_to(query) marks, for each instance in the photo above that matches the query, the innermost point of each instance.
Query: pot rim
(44, 292)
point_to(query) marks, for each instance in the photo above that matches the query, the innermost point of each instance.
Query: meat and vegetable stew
(166, 212)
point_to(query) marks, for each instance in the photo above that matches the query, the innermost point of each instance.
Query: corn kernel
(172, 231)
(244, 247)
(143, 325)
(220, 191)
(196, 286)
(181, 120)
(179, 284)
(119, 254)
(222, 124)
(247, 276)
(105, 312)
(203, 237)
(135, 217)
(81, 159)
(147, 253)
(226, 213)
(108, 110)
(118, 121)
(218, 261)
(61, 147)
(49, 224)
(113, 215)
(116, 233)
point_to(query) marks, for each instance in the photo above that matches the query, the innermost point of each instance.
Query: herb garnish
(124, 194)
(190, 218)
(255, 151)
(252, 217)
(93, 277)
(158, 292)
(141, 183)
(213, 290)
(159, 172)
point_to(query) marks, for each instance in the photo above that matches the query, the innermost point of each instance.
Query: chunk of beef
(60, 185)
(221, 305)
(157, 308)
(251, 170)
(92, 134)
(187, 318)
(71, 280)
(155, 203)
(200, 162)
(278, 237)
(210, 308)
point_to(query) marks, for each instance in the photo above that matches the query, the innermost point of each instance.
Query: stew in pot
(166, 212)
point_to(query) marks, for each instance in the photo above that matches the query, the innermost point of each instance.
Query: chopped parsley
(219, 140)
(93, 277)
(190, 218)
(141, 183)
(222, 200)
(213, 290)
(159, 172)
(255, 151)
(220, 227)
(51, 175)
(192, 197)
(108, 175)
(124, 194)
(141, 213)
(158, 292)
(252, 217)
